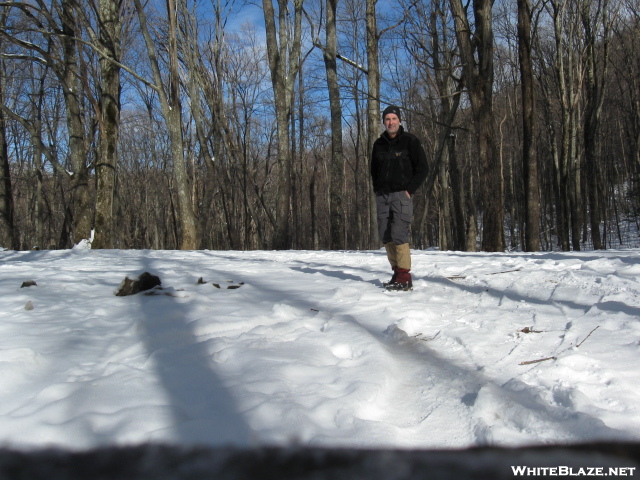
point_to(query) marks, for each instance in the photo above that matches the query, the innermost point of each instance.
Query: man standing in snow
(398, 168)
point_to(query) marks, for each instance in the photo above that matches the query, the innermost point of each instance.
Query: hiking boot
(393, 277)
(403, 281)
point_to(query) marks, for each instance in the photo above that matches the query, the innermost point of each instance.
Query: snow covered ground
(489, 349)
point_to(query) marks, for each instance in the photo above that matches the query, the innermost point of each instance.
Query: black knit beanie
(391, 109)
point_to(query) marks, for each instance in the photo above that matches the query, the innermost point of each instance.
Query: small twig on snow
(555, 358)
(530, 330)
(538, 361)
(462, 277)
(585, 338)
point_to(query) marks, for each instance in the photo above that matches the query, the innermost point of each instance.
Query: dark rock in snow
(131, 286)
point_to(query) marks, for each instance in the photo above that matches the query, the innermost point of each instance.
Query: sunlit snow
(489, 349)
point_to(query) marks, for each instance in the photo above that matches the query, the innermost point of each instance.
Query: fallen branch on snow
(587, 336)
(529, 362)
(462, 277)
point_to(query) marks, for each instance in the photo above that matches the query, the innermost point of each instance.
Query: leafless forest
(213, 124)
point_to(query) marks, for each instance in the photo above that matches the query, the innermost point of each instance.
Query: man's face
(391, 124)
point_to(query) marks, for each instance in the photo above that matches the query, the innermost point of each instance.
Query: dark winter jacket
(398, 163)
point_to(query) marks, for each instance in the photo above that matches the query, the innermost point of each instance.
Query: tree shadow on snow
(501, 413)
(610, 306)
(339, 274)
(203, 410)
(520, 406)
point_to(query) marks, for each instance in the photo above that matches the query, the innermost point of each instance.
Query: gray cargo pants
(395, 212)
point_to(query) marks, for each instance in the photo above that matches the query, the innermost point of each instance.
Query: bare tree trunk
(8, 232)
(460, 232)
(529, 150)
(110, 31)
(449, 92)
(64, 59)
(364, 233)
(315, 239)
(284, 66)
(373, 108)
(472, 225)
(173, 113)
(72, 89)
(171, 110)
(205, 83)
(40, 205)
(566, 184)
(446, 221)
(476, 51)
(595, 79)
(337, 179)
